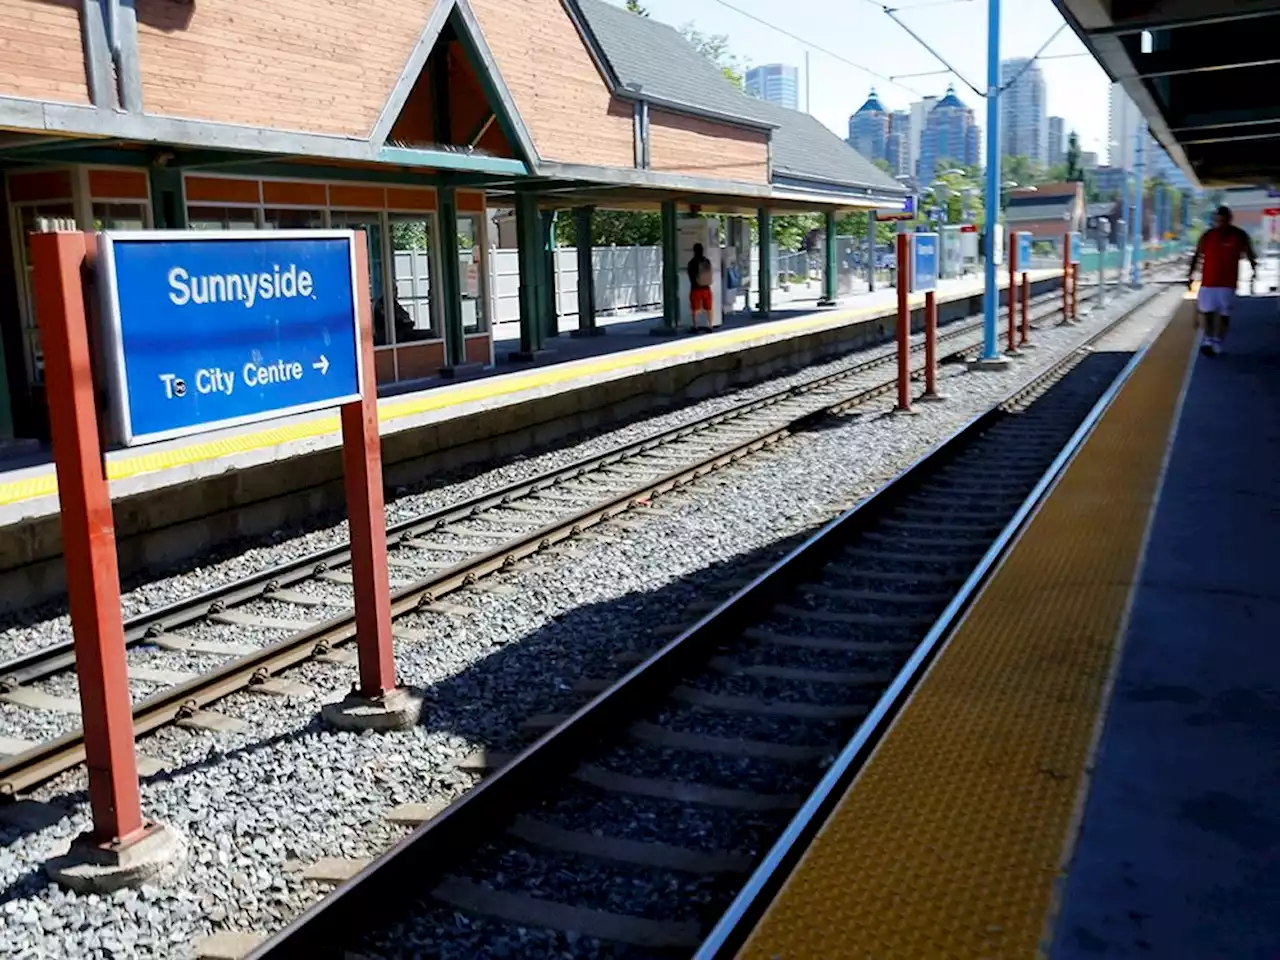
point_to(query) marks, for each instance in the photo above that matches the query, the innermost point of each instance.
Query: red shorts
(700, 299)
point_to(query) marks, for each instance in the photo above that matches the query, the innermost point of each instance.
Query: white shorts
(1217, 300)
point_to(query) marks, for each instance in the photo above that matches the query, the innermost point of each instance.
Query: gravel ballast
(257, 804)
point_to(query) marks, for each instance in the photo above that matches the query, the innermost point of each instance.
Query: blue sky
(858, 30)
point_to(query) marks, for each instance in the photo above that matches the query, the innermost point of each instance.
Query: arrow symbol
(322, 365)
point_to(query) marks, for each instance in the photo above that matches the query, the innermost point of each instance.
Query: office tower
(1088, 160)
(951, 136)
(776, 82)
(1024, 122)
(1122, 129)
(1057, 141)
(869, 129)
(919, 113)
(898, 150)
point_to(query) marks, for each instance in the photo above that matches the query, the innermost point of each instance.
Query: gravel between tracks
(254, 804)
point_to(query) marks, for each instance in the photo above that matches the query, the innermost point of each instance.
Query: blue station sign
(1024, 250)
(1073, 247)
(212, 330)
(925, 260)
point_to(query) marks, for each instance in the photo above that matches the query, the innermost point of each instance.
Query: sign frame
(1074, 241)
(915, 239)
(110, 325)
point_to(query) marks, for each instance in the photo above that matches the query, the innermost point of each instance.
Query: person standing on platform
(1220, 250)
(699, 287)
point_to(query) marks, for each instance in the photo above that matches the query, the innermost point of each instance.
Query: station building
(407, 119)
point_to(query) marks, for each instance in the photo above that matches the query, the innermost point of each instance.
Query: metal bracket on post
(377, 703)
(122, 849)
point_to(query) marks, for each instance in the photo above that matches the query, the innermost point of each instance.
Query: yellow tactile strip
(148, 461)
(950, 842)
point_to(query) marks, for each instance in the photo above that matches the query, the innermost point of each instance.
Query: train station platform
(179, 498)
(1090, 767)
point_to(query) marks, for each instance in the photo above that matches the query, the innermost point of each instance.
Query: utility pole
(808, 105)
(1139, 165)
(991, 298)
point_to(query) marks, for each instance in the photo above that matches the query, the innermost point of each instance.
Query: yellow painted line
(950, 843)
(45, 484)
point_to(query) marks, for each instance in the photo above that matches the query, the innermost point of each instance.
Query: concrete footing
(1028, 346)
(932, 397)
(462, 371)
(397, 710)
(588, 332)
(828, 302)
(94, 867)
(987, 364)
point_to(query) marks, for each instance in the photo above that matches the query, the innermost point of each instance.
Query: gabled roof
(654, 61)
(950, 100)
(873, 104)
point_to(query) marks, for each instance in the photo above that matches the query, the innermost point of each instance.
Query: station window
(475, 315)
(371, 224)
(222, 218)
(412, 244)
(291, 218)
(119, 215)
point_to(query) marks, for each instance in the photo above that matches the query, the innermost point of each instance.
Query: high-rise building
(898, 149)
(1088, 160)
(776, 82)
(1122, 129)
(951, 135)
(1024, 126)
(1057, 141)
(919, 113)
(869, 129)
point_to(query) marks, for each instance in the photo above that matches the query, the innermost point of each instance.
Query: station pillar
(531, 269)
(871, 250)
(764, 302)
(550, 290)
(830, 272)
(582, 228)
(168, 212)
(670, 269)
(455, 347)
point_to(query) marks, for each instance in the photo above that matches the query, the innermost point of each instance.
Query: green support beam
(670, 268)
(765, 295)
(547, 241)
(450, 288)
(830, 273)
(168, 212)
(582, 228)
(529, 260)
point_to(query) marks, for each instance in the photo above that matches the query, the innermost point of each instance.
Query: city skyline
(775, 82)
(1024, 127)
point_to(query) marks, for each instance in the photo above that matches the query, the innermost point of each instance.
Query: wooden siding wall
(41, 53)
(703, 148)
(319, 66)
(556, 87)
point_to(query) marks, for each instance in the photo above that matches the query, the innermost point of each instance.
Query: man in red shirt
(1220, 248)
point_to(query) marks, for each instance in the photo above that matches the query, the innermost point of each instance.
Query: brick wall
(320, 66)
(703, 148)
(41, 53)
(559, 93)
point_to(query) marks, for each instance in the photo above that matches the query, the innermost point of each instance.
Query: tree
(715, 47)
(633, 6)
(884, 166)
(1075, 172)
(622, 228)
(1023, 171)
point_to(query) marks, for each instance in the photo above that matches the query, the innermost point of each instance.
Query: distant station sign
(907, 213)
(924, 262)
(1024, 250)
(1073, 248)
(205, 331)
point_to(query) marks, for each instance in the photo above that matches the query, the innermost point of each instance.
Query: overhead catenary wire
(820, 49)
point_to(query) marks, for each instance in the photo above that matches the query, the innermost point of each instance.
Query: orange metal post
(1075, 291)
(88, 537)
(904, 323)
(1026, 308)
(362, 475)
(1013, 291)
(930, 344)
(1067, 281)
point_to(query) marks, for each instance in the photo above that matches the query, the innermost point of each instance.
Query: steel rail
(403, 872)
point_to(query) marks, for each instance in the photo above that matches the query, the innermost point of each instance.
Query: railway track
(632, 829)
(252, 630)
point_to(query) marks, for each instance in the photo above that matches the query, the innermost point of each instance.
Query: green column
(670, 268)
(532, 269)
(830, 275)
(582, 228)
(455, 348)
(167, 210)
(871, 250)
(550, 320)
(765, 297)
